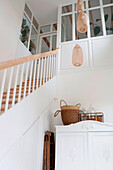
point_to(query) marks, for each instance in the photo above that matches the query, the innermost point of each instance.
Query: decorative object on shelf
(82, 22)
(80, 6)
(77, 58)
(97, 116)
(69, 113)
(91, 109)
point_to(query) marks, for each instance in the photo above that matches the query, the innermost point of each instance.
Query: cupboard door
(101, 150)
(71, 151)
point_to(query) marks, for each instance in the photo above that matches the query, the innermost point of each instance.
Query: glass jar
(81, 117)
(91, 116)
(100, 117)
(90, 109)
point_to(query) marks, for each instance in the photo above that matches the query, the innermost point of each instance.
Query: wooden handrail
(11, 63)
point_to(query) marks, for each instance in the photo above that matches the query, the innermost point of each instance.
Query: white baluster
(31, 70)
(2, 86)
(41, 73)
(8, 91)
(38, 72)
(34, 75)
(52, 65)
(44, 73)
(26, 78)
(15, 85)
(49, 67)
(55, 65)
(21, 79)
(47, 59)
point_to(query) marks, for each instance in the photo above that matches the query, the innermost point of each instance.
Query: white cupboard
(86, 145)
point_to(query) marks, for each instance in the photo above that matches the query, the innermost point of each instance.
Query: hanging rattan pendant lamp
(80, 6)
(77, 58)
(82, 22)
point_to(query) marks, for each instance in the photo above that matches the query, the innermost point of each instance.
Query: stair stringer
(17, 120)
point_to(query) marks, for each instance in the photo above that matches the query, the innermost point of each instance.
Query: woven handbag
(69, 113)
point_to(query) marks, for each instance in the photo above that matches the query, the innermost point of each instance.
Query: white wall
(27, 152)
(93, 82)
(22, 51)
(10, 21)
(22, 130)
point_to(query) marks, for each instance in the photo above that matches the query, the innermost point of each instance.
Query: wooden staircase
(23, 89)
(35, 71)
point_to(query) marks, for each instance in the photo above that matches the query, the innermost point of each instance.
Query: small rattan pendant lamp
(82, 22)
(77, 58)
(80, 6)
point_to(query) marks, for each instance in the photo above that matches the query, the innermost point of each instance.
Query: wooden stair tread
(23, 89)
(11, 96)
(3, 109)
(10, 102)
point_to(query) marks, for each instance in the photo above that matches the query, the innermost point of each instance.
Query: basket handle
(78, 104)
(61, 103)
(56, 113)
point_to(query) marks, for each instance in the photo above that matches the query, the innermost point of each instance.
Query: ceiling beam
(70, 16)
(55, 26)
(46, 40)
(32, 44)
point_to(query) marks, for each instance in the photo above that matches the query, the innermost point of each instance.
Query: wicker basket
(69, 113)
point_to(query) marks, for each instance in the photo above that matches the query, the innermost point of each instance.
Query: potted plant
(24, 32)
(98, 29)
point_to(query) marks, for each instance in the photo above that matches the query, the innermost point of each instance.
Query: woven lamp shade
(77, 58)
(82, 22)
(80, 6)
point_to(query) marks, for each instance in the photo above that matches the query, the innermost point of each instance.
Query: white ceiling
(46, 10)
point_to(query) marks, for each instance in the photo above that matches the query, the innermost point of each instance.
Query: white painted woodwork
(41, 71)
(34, 74)
(26, 78)
(2, 85)
(44, 71)
(21, 80)
(21, 141)
(47, 73)
(85, 146)
(102, 52)
(101, 150)
(26, 74)
(49, 66)
(66, 55)
(8, 90)
(15, 84)
(73, 151)
(38, 71)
